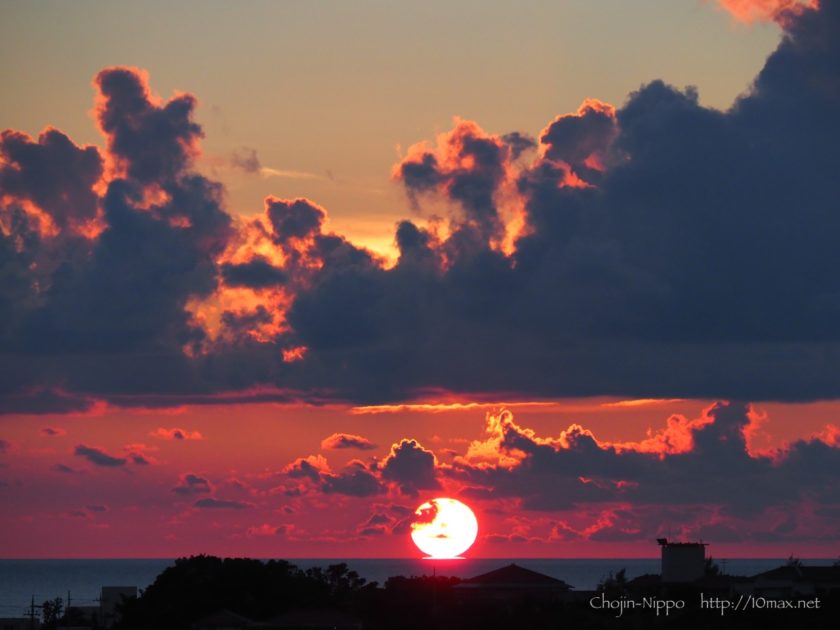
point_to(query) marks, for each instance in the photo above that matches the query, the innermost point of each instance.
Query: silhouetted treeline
(263, 591)
(200, 585)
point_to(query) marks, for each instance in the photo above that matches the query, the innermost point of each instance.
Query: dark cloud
(125, 290)
(378, 519)
(298, 218)
(355, 481)
(98, 457)
(96, 508)
(519, 143)
(4, 446)
(347, 440)
(52, 431)
(257, 273)
(54, 174)
(154, 143)
(373, 531)
(62, 468)
(411, 466)
(221, 504)
(585, 135)
(192, 484)
(39, 400)
(467, 168)
(663, 249)
(307, 468)
(701, 470)
(679, 273)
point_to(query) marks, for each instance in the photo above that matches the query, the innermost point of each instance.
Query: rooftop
(816, 575)
(514, 576)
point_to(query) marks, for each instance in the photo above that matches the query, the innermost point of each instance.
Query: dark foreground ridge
(210, 593)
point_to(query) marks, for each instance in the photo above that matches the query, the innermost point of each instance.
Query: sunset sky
(273, 274)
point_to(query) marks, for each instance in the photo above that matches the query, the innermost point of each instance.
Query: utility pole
(32, 613)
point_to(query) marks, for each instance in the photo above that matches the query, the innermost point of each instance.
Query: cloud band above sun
(656, 249)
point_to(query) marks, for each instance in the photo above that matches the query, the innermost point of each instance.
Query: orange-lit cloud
(443, 407)
(781, 11)
(297, 353)
(642, 402)
(476, 170)
(176, 433)
(830, 435)
(310, 466)
(578, 143)
(347, 440)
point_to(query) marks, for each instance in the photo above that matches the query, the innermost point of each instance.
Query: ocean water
(21, 580)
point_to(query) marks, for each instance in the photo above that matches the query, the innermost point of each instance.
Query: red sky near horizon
(562, 329)
(242, 457)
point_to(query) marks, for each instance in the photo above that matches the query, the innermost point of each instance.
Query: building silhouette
(682, 561)
(511, 582)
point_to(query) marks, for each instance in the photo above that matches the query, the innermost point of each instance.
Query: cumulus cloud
(294, 219)
(411, 466)
(347, 440)
(707, 477)
(126, 286)
(408, 467)
(54, 175)
(309, 467)
(152, 141)
(468, 167)
(580, 140)
(356, 480)
(657, 248)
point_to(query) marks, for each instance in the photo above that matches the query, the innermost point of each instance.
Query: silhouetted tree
(711, 569)
(794, 562)
(51, 612)
(614, 584)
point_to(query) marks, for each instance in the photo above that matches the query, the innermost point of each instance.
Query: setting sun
(444, 528)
